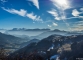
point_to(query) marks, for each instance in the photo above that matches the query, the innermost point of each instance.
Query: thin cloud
(23, 13)
(34, 17)
(20, 12)
(55, 24)
(35, 2)
(49, 26)
(78, 26)
(81, 9)
(76, 13)
(54, 13)
(3, 1)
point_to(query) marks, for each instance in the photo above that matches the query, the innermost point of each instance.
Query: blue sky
(52, 14)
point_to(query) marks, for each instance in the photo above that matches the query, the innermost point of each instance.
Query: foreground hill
(52, 45)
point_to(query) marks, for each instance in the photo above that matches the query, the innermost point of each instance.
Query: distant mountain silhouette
(48, 33)
(29, 42)
(24, 29)
(9, 41)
